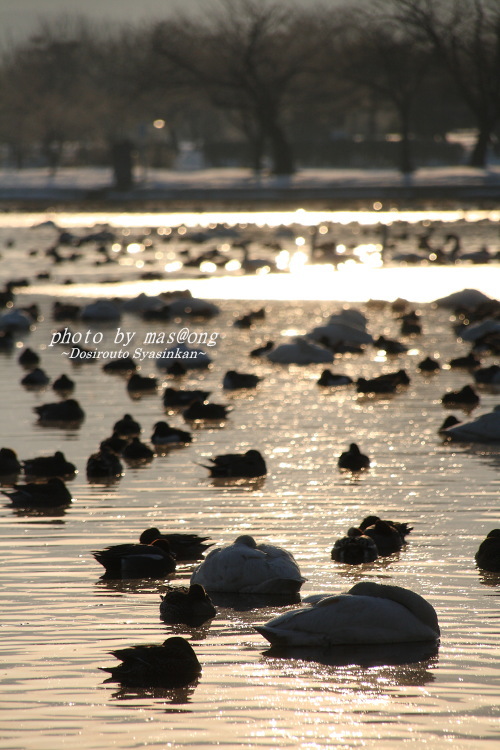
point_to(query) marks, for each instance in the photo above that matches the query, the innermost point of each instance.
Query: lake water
(59, 620)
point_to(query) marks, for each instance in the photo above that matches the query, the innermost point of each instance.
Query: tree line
(278, 82)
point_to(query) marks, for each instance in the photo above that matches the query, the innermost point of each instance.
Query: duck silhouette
(104, 464)
(164, 435)
(183, 546)
(246, 567)
(127, 427)
(234, 380)
(136, 450)
(63, 385)
(49, 466)
(170, 665)
(355, 550)
(62, 411)
(249, 464)
(175, 397)
(188, 606)
(353, 459)
(201, 411)
(368, 613)
(9, 463)
(51, 494)
(488, 555)
(328, 378)
(153, 560)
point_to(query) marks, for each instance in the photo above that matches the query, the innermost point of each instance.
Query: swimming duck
(35, 378)
(465, 397)
(104, 465)
(188, 606)
(114, 444)
(189, 359)
(140, 384)
(387, 537)
(368, 613)
(470, 362)
(245, 567)
(355, 550)
(51, 494)
(233, 380)
(488, 555)
(374, 385)
(127, 427)
(249, 464)
(328, 378)
(153, 560)
(353, 459)
(174, 397)
(488, 375)
(428, 365)
(63, 385)
(389, 346)
(49, 466)
(136, 450)
(164, 435)
(62, 411)
(28, 358)
(120, 366)
(260, 350)
(200, 411)
(171, 665)
(9, 463)
(183, 546)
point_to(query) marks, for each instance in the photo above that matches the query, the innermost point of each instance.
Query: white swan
(349, 326)
(299, 352)
(367, 613)
(483, 429)
(246, 567)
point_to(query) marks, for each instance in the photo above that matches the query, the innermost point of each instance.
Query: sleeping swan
(368, 613)
(245, 567)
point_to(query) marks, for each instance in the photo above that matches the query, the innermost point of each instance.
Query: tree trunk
(122, 163)
(406, 165)
(281, 151)
(479, 155)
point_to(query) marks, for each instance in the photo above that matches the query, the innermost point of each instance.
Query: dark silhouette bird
(136, 450)
(174, 397)
(465, 397)
(488, 375)
(9, 464)
(28, 358)
(140, 384)
(364, 385)
(51, 494)
(353, 459)
(63, 385)
(127, 427)
(164, 435)
(49, 466)
(469, 362)
(450, 421)
(260, 350)
(183, 546)
(249, 464)
(188, 606)
(428, 365)
(386, 536)
(153, 560)
(200, 411)
(62, 411)
(403, 529)
(328, 378)
(389, 346)
(488, 555)
(35, 378)
(234, 380)
(172, 665)
(120, 366)
(104, 465)
(355, 550)
(114, 444)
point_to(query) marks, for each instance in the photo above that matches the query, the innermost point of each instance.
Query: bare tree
(466, 36)
(249, 57)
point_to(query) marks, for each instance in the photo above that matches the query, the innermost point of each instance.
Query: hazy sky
(18, 18)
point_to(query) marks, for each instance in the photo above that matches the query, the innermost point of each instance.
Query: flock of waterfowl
(369, 613)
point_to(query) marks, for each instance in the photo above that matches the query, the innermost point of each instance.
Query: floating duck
(127, 427)
(140, 384)
(136, 450)
(245, 567)
(173, 664)
(62, 411)
(328, 378)
(153, 560)
(488, 555)
(120, 366)
(104, 465)
(234, 380)
(49, 466)
(469, 362)
(249, 464)
(353, 459)
(466, 397)
(429, 365)
(164, 435)
(188, 606)
(9, 464)
(183, 546)
(200, 411)
(63, 385)
(51, 494)
(368, 613)
(386, 536)
(36, 378)
(355, 550)
(259, 351)
(28, 358)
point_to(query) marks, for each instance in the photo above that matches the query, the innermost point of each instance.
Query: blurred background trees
(267, 84)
